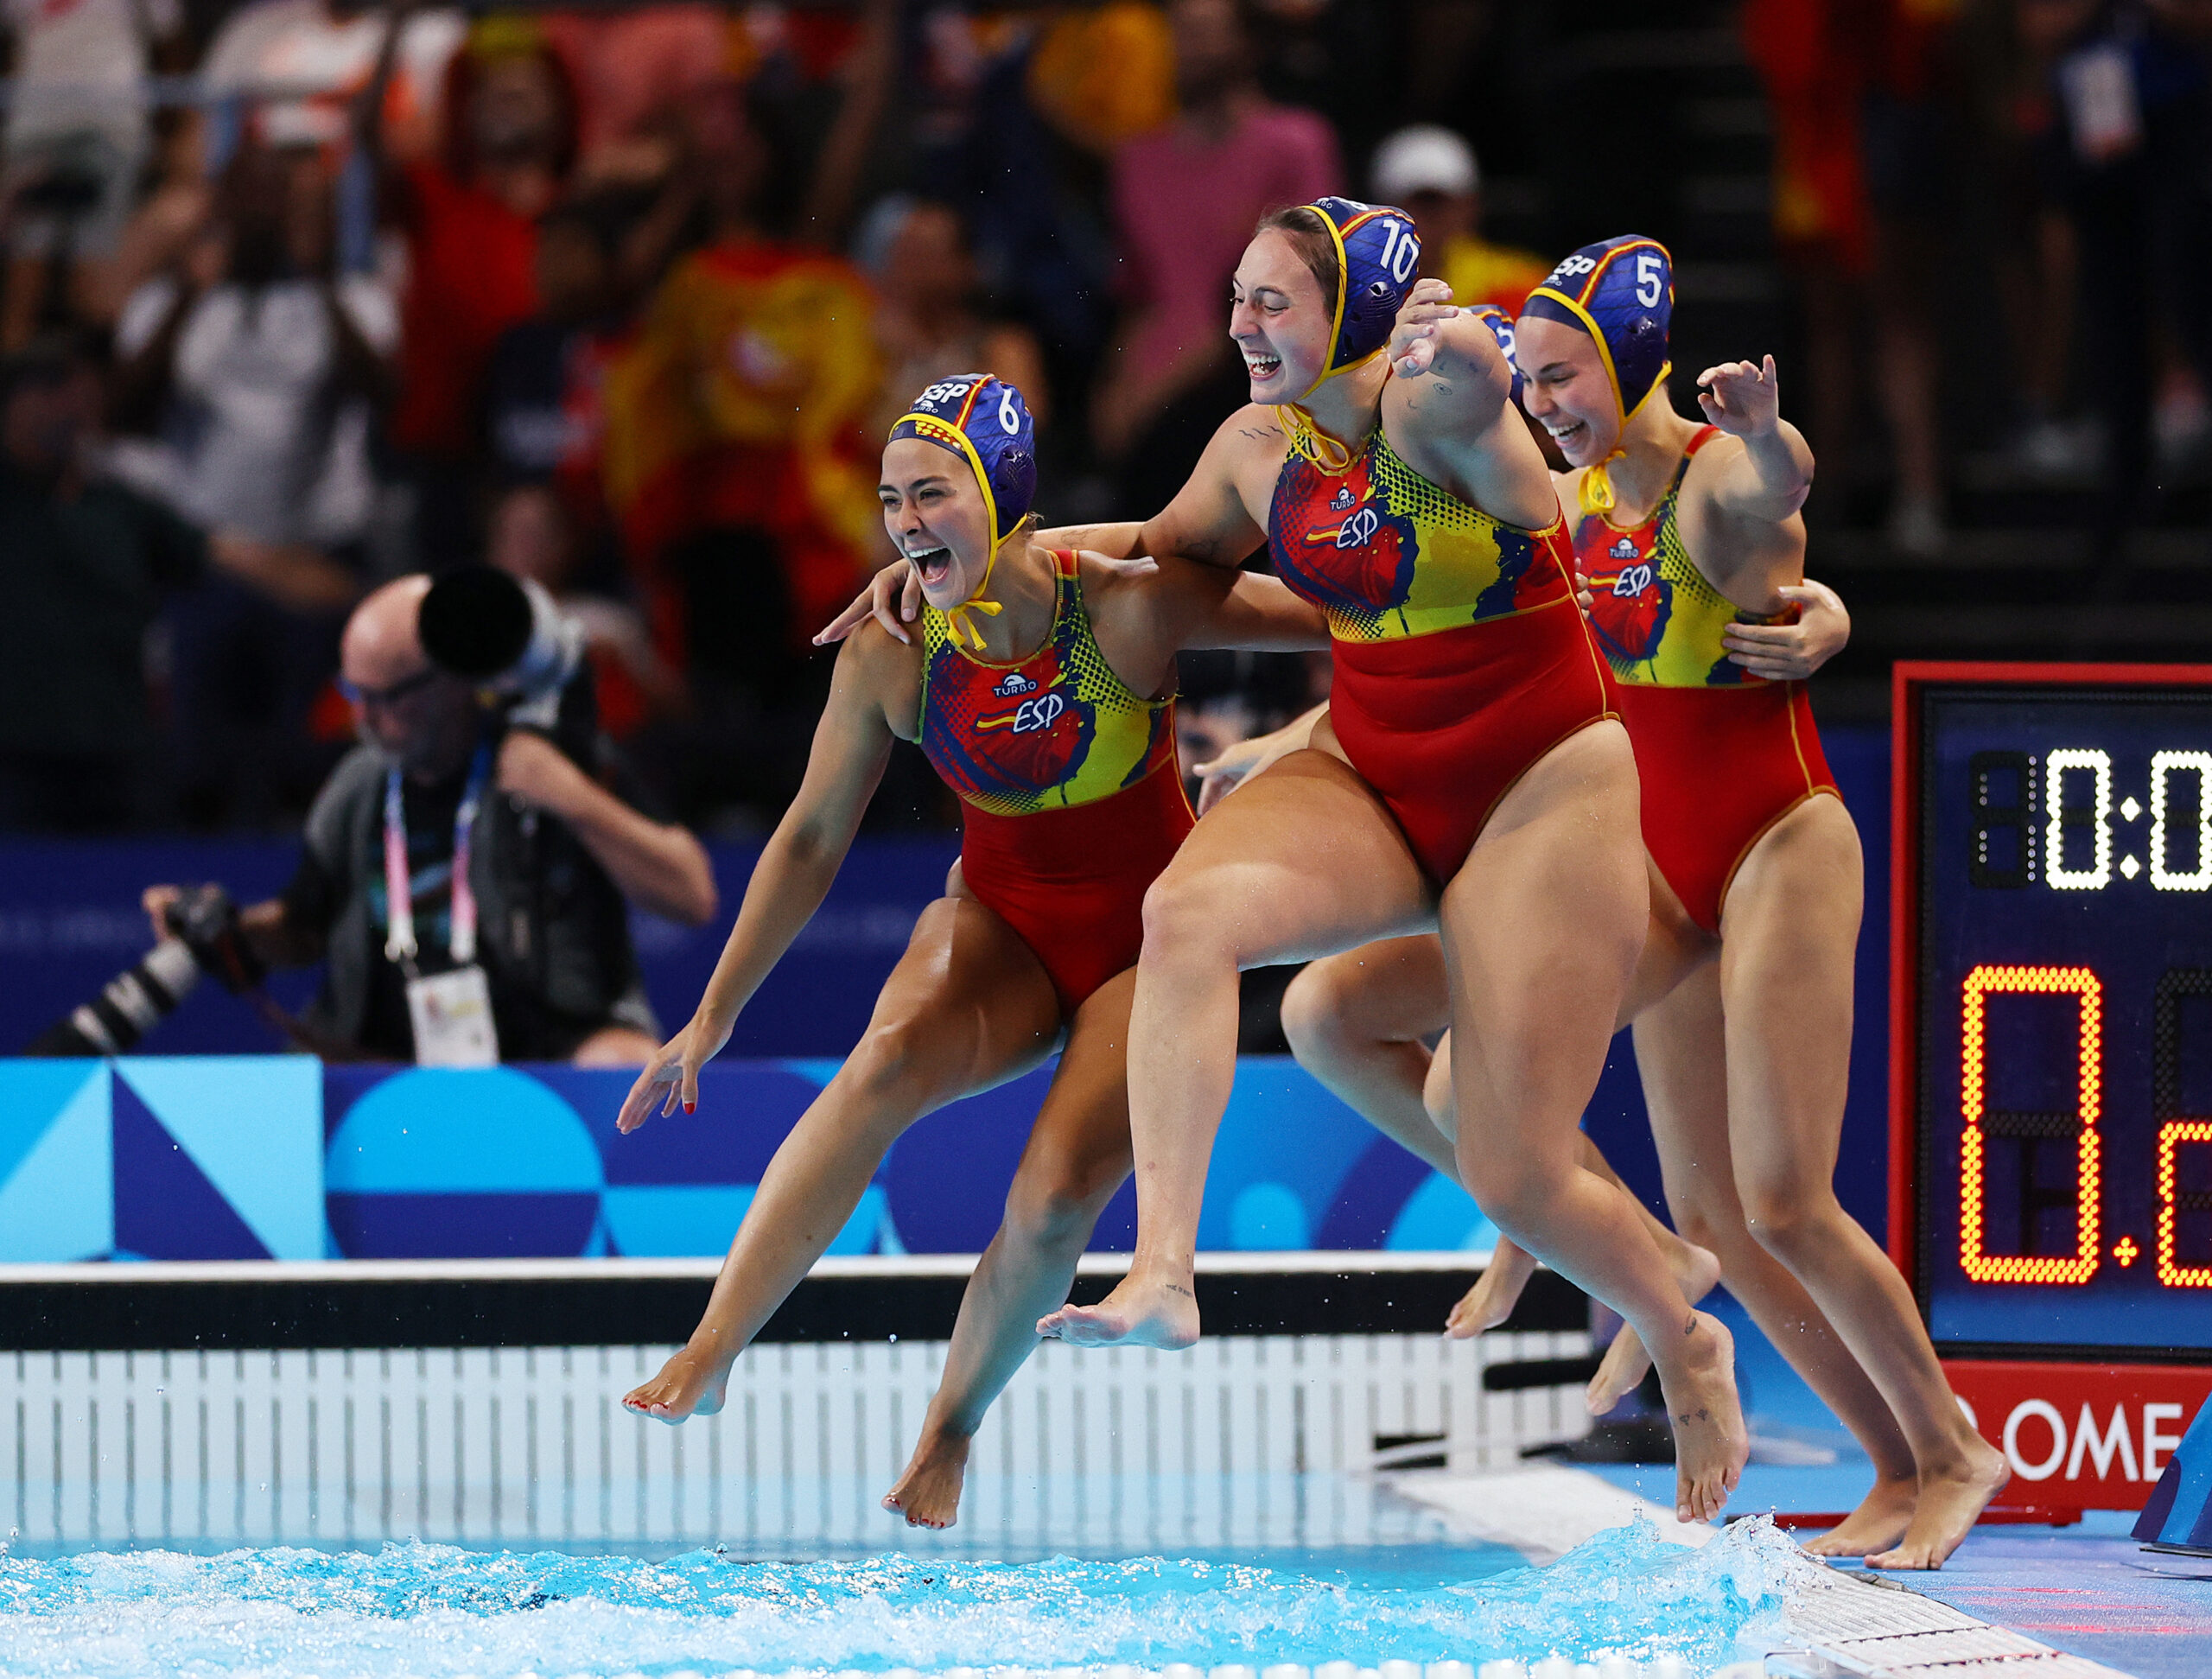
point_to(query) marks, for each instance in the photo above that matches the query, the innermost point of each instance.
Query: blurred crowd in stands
(300, 296)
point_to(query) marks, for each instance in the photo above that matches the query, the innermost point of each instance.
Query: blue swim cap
(1378, 260)
(1501, 328)
(984, 421)
(1621, 291)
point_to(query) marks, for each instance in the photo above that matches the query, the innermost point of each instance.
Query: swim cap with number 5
(1621, 292)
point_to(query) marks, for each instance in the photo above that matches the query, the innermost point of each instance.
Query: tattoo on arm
(1178, 1288)
(1689, 1324)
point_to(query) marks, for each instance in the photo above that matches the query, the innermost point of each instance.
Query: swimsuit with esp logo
(1722, 754)
(1459, 658)
(1071, 798)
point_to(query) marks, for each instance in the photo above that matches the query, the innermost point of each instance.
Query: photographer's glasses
(397, 694)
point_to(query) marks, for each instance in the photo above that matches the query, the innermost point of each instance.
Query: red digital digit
(1980, 1264)
(2172, 1138)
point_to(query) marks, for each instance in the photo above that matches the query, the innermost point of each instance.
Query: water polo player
(1694, 548)
(1042, 693)
(1469, 777)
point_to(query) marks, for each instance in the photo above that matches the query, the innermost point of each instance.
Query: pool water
(433, 1611)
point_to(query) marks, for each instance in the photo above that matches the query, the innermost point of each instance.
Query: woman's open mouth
(1569, 436)
(933, 563)
(1262, 366)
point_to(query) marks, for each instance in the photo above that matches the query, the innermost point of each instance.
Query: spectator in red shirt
(471, 221)
(1184, 199)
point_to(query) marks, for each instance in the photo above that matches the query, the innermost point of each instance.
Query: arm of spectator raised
(296, 576)
(867, 75)
(659, 866)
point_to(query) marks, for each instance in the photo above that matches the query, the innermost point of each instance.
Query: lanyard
(399, 943)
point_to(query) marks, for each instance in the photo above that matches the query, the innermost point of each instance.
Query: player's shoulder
(1254, 433)
(884, 665)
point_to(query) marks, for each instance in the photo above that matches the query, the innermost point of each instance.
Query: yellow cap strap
(1309, 440)
(1595, 493)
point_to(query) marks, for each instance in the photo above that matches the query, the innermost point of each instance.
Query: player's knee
(1056, 1205)
(893, 1054)
(1516, 1194)
(1182, 919)
(1792, 1221)
(1314, 1015)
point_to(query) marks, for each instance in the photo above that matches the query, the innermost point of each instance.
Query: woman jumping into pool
(1042, 695)
(1469, 778)
(1692, 542)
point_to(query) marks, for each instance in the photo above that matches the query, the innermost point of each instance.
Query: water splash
(433, 1612)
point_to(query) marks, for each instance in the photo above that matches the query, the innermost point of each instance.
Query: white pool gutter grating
(1846, 1625)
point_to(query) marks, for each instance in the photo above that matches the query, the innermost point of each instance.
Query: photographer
(529, 960)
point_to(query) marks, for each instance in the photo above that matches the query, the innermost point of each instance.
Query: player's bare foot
(1950, 1501)
(1619, 1372)
(1145, 1311)
(1497, 1291)
(1711, 1443)
(1879, 1522)
(927, 1493)
(690, 1384)
(1697, 1270)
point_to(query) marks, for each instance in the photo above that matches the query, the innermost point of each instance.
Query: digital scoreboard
(2051, 1058)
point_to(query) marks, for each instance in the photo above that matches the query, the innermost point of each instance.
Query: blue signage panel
(281, 1157)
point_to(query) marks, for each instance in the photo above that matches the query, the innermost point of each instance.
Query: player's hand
(673, 1075)
(1791, 652)
(1743, 399)
(1238, 764)
(892, 598)
(1415, 339)
(1582, 596)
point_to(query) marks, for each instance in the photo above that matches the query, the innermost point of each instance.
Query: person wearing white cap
(1430, 172)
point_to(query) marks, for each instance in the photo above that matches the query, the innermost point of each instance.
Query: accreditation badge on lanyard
(452, 1011)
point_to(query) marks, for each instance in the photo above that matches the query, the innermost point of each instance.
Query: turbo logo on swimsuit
(1074, 733)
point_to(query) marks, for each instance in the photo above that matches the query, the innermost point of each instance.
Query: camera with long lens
(204, 938)
(507, 636)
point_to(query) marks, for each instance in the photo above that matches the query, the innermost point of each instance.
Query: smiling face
(1280, 317)
(934, 510)
(1567, 391)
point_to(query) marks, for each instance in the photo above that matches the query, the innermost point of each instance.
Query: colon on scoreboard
(2051, 1172)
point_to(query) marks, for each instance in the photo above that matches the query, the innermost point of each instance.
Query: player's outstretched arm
(852, 743)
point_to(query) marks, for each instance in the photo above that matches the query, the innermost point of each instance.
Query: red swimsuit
(1459, 656)
(1722, 754)
(1072, 800)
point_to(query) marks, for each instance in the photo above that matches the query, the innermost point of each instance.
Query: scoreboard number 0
(2004, 834)
(2176, 1132)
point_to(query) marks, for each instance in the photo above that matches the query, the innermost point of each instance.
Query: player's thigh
(967, 1006)
(1078, 1150)
(1789, 934)
(1542, 929)
(1673, 947)
(1305, 862)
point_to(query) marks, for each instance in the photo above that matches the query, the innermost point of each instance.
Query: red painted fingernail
(690, 1106)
